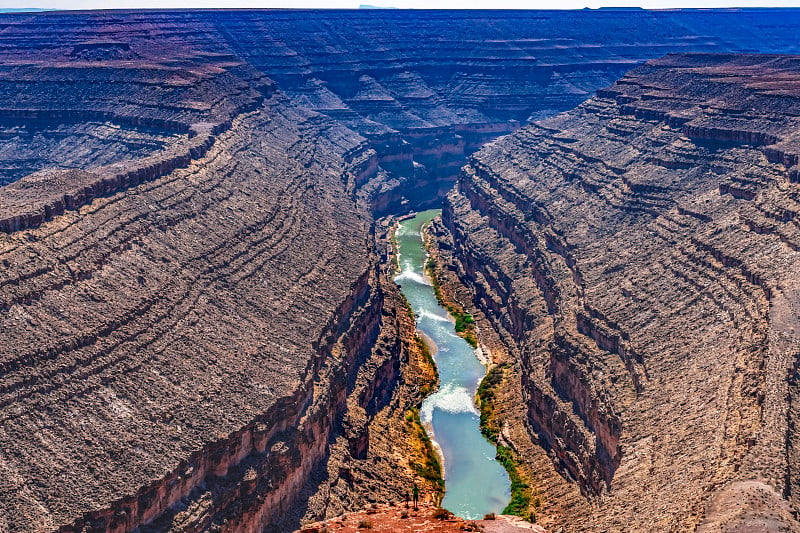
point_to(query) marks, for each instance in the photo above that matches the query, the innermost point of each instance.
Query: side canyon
(200, 331)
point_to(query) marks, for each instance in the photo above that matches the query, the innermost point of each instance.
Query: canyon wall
(639, 255)
(151, 354)
(425, 89)
(199, 331)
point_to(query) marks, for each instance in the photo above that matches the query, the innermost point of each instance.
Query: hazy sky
(444, 4)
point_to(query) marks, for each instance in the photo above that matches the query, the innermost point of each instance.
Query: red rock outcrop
(426, 518)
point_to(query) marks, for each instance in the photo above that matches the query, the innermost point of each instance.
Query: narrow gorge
(475, 483)
(200, 327)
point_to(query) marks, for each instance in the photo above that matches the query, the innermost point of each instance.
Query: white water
(475, 483)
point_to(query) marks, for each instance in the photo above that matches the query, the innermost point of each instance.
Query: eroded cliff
(198, 330)
(638, 254)
(93, 91)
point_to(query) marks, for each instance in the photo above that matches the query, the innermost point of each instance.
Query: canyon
(200, 331)
(638, 256)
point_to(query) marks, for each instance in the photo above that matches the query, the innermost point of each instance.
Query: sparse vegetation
(521, 494)
(426, 387)
(486, 400)
(442, 514)
(465, 323)
(520, 490)
(425, 462)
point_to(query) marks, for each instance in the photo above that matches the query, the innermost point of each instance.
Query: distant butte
(199, 328)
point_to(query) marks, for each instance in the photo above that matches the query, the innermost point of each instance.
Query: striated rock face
(93, 91)
(150, 352)
(427, 88)
(639, 254)
(198, 331)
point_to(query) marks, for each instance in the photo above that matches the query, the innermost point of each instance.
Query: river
(475, 483)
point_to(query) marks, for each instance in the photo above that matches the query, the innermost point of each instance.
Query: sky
(413, 4)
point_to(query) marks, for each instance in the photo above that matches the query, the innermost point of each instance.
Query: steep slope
(197, 327)
(131, 322)
(639, 254)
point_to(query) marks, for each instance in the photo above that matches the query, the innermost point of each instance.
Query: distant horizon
(72, 5)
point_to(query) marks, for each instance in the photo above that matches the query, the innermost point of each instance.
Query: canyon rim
(200, 331)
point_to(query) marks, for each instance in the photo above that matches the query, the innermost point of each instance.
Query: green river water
(475, 483)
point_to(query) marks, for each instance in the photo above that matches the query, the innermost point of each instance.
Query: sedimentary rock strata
(94, 91)
(198, 330)
(639, 255)
(128, 321)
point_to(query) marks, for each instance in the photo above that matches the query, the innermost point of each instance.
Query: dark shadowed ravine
(475, 483)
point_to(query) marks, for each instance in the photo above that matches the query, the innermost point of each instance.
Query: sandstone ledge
(399, 518)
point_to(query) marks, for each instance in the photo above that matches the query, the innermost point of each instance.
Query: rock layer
(196, 332)
(638, 255)
(129, 317)
(93, 91)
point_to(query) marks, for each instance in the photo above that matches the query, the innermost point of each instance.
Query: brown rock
(650, 305)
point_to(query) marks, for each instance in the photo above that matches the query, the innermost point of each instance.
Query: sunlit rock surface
(640, 256)
(190, 294)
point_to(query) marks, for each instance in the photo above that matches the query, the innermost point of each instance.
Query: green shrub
(520, 491)
(486, 398)
(430, 469)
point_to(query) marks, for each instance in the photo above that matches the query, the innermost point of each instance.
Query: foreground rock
(640, 255)
(427, 518)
